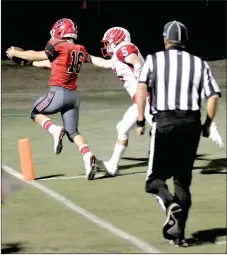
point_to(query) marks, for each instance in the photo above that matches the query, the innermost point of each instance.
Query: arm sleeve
(51, 52)
(209, 86)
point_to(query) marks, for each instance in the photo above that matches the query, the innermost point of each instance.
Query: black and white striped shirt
(177, 80)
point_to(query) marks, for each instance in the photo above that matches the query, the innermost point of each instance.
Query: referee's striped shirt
(177, 80)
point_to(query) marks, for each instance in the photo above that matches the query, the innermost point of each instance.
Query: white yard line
(67, 177)
(100, 175)
(221, 242)
(143, 246)
(78, 177)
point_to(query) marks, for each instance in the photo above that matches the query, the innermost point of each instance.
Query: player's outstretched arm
(100, 62)
(29, 55)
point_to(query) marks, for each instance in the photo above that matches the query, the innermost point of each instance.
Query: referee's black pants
(174, 142)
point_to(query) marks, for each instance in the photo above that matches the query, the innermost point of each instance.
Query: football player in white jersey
(126, 61)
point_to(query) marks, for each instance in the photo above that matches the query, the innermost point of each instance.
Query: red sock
(84, 149)
(48, 125)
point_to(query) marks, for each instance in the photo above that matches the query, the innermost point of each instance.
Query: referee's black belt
(178, 114)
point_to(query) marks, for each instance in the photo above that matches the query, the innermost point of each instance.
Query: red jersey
(66, 59)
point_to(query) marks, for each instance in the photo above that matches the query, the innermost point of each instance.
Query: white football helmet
(113, 37)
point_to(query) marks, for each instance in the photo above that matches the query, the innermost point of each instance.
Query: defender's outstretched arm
(100, 62)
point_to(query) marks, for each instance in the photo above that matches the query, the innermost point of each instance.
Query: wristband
(208, 121)
(140, 123)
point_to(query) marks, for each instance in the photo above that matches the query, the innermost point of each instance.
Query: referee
(176, 81)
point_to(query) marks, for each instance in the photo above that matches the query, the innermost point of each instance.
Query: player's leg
(49, 104)
(70, 119)
(123, 127)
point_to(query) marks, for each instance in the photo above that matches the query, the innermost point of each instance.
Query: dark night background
(27, 23)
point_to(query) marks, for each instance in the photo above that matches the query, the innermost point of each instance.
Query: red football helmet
(113, 37)
(64, 28)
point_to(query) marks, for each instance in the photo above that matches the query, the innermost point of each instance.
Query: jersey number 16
(76, 62)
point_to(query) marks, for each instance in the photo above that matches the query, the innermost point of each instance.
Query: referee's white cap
(175, 32)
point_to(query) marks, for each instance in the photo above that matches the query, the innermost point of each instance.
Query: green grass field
(33, 222)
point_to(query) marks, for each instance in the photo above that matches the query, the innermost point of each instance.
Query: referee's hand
(140, 131)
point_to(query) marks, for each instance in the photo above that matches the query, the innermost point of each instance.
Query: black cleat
(171, 229)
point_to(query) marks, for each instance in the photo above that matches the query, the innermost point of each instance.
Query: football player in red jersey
(126, 62)
(65, 59)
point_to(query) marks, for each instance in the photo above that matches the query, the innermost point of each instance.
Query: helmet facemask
(108, 48)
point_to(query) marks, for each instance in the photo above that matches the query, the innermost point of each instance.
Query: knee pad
(122, 133)
(71, 135)
(33, 113)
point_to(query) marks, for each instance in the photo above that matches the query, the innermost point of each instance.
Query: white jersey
(124, 70)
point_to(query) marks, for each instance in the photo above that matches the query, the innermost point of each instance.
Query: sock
(48, 125)
(86, 153)
(117, 154)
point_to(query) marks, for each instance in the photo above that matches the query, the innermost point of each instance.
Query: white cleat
(91, 168)
(110, 169)
(215, 136)
(58, 136)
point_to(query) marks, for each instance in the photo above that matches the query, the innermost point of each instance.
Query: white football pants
(129, 119)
